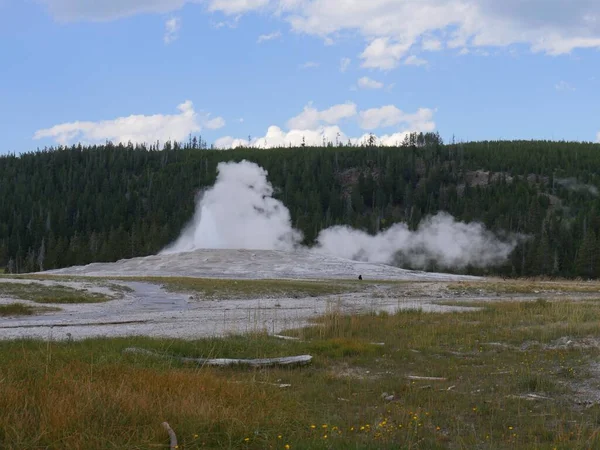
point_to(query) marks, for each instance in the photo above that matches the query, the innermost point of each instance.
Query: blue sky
(147, 70)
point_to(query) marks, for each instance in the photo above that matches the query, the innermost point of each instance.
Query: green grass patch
(222, 288)
(524, 287)
(490, 391)
(239, 288)
(20, 309)
(39, 293)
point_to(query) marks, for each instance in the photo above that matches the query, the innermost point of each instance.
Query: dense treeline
(71, 206)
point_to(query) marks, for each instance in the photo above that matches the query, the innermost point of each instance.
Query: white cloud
(598, 137)
(102, 10)
(233, 23)
(214, 124)
(344, 64)
(381, 54)
(432, 45)
(387, 140)
(276, 137)
(563, 86)
(309, 65)
(235, 6)
(314, 128)
(392, 27)
(172, 27)
(480, 52)
(230, 142)
(368, 83)
(554, 28)
(311, 118)
(413, 60)
(386, 116)
(135, 128)
(390, 115)
(92, 10)
(268, 37)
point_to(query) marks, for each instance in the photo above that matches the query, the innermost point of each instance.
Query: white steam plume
(574, 185)
(239, 212)
(440, 239)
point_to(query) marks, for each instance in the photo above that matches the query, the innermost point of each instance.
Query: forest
(75, 205)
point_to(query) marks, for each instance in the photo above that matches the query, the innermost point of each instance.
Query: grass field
(506, 377)
(220, 288)
(21, 309)
(39, 293)
(523, 286)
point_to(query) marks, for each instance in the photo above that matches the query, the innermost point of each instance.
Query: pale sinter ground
(144, 308)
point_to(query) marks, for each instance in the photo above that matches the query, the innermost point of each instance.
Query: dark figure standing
(360, 277)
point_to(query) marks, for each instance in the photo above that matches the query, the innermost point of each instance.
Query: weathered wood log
(279, 385)
(224, 362)
(286, 338)
(414, 377)
(172, 436)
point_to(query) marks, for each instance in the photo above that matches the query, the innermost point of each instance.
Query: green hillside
(71, 206)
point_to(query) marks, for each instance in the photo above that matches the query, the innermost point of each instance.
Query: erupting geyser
(239, 212)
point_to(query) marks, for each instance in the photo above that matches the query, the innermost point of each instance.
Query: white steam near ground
(439, 240)
(239, 212)
(574, 185)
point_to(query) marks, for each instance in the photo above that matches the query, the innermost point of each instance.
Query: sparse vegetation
(524, 287)
(511, 375)
(221, 288)
(40, 293)
(21, 309)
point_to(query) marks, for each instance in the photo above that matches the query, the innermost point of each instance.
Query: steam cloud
(574, 185)
(440, 240)
(239, 212)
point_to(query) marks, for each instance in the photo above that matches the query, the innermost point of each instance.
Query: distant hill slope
(72, 206)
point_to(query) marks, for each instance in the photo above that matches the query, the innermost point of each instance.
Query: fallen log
(286, 338)
(279, 385)
(286, 361)
(172, 436)
(414, 377)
